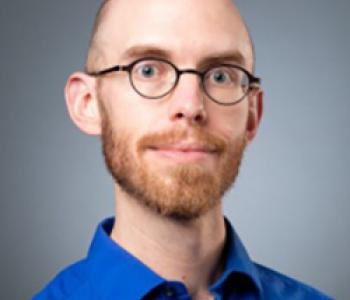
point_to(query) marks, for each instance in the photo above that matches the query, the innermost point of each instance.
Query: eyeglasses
(154, 78)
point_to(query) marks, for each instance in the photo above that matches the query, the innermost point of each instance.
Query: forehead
(187, 29)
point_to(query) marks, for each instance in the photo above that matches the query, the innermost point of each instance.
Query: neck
(186, 251)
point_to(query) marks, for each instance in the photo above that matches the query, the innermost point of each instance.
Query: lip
(184, 152)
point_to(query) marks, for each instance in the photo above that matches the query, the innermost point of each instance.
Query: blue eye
(148, 71)
(220, 77)
(224, 76)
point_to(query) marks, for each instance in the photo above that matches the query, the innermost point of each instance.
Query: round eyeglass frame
(252, 80)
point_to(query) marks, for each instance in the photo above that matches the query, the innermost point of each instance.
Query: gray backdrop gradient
(291, 202)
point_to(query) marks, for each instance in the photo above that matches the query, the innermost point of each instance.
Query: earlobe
(82, 103)
(255, 112)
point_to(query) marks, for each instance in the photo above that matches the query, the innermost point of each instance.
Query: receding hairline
(93, 49)
(95, 52)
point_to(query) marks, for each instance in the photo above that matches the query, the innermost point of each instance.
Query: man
(169, 87)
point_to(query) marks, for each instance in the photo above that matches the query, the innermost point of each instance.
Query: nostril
(179, 115)
(198, 118)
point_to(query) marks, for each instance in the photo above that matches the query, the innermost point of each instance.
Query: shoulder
(69, 284)
(279, 286)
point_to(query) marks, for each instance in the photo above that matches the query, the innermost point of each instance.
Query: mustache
(194, 135)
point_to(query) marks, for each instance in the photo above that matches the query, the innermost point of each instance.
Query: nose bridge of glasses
(190, 71)
(187, 99)
(199, 82)
(189, 96)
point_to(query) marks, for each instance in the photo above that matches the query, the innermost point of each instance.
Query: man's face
(179, 154)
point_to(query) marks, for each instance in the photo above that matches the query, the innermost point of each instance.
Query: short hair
(95, 52)
(94, 48)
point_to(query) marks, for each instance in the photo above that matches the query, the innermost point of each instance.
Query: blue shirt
(109, 272)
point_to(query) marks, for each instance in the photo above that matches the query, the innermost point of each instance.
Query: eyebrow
(140, 51)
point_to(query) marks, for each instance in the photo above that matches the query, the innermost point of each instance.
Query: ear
(82, 103)
(255, 111)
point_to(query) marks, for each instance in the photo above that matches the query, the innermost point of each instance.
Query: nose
(187, 101)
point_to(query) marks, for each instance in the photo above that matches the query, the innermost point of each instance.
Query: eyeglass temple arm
(255, 80)
(106, 71)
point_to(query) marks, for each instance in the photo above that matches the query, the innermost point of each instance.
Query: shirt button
(170, 292)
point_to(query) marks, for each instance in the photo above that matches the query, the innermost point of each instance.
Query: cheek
(230, 122)
(128, 111)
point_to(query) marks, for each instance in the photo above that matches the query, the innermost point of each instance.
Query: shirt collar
(113, 269)
(237, 261)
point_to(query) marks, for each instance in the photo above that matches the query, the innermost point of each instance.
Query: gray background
(290, 204)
